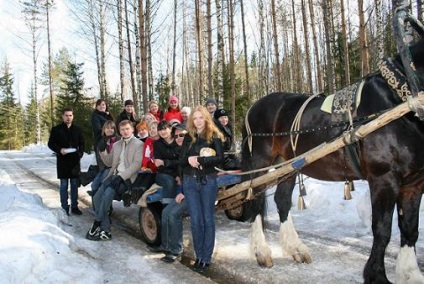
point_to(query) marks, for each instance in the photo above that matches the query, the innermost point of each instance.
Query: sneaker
(156, 249)
(94, 233)
(169, 258)
(105, 236)
(76, 211)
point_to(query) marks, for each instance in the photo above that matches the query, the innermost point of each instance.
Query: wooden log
(324, 149)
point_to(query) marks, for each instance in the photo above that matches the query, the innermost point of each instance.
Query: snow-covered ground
(39, 245)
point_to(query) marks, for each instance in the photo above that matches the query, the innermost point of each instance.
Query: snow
(38, 243)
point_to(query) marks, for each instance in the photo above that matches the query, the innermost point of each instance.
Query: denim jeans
(64, 182)
(168, 187)
(201, 196)
(100, 177)
(172, 226)
(102, 201)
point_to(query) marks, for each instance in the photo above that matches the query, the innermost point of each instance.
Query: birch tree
(276, 47)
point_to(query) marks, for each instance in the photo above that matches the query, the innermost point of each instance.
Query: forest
(232, 50)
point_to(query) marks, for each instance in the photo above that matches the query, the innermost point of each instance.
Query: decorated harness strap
(395, 78)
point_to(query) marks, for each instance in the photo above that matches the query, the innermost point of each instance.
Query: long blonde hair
(211, 130)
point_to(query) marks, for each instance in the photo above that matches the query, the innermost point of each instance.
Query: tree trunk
(276, 48)
(379, 30)
(50, 64)
(103, 83)
(121, 51)
(220, 61)
(308, 56)
(137, 105)
(326, 6)
(262, 70)
(318, 69)
(199, 17)
(210, 46)
(297, 64)
(345, 45)
(420, 10)
(146, 58)
(232, 61)
(246, 65)
(130, 61)
(363, 41)
(174, 47)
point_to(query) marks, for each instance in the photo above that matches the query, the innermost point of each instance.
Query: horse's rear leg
(407, 270)
(384, 192)
(289, 239)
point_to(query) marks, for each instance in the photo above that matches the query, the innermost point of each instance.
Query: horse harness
(344, 111)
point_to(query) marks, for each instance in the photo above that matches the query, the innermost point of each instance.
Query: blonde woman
(202, 152)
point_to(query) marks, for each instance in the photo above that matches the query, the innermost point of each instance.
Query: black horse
(391, 159)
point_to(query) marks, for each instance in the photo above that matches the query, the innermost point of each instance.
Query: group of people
(178, 150)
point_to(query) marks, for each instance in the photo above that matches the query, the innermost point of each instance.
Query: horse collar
(395, 77)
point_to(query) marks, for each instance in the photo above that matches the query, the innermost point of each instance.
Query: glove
(101, 146)
(115, 182)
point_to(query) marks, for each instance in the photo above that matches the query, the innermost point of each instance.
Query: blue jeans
(100, 177)
(168, 187)
(201, 196)
(102, 201)
(64, 193)
(172, 226)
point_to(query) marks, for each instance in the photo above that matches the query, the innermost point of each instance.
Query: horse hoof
(264, 261)
(302, 258)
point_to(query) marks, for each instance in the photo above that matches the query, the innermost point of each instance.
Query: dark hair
(67, 109)
(99, 101)
(164, 124)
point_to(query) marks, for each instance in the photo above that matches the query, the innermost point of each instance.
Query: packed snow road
(338, 239)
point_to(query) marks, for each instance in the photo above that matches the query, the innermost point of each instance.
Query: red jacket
(158, 115)
(173, 114)
(148, 159)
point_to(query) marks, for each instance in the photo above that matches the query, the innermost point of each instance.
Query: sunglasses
(179, 135)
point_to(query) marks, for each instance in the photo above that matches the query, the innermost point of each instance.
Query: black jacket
(123, 116)
(228, 134)
(68, 166)
(98, 118)
(208, 163)
(169, 153)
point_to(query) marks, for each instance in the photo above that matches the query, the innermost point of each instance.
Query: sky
(40, 244)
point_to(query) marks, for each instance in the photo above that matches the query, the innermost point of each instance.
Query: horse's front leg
(291, 244)
(384, 192)
(408, 207)
(258, 244)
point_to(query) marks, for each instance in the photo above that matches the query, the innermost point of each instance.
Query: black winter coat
(169, 153)
(123, 116)
(208, 163)
(98, 118)
(68, 166)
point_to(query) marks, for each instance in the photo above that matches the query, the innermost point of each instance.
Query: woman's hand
(159, 162)
(192, 160)
(179, 197)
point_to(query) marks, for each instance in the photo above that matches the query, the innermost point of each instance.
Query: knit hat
(211, 101)
(173, 99)
(219, 113)
(128, 103)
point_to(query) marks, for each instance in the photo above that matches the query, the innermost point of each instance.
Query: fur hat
(128, 103)
(211, 101)
(220, 112)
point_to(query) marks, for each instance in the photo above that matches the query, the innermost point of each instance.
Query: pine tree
(10, 138)
(72, 95)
